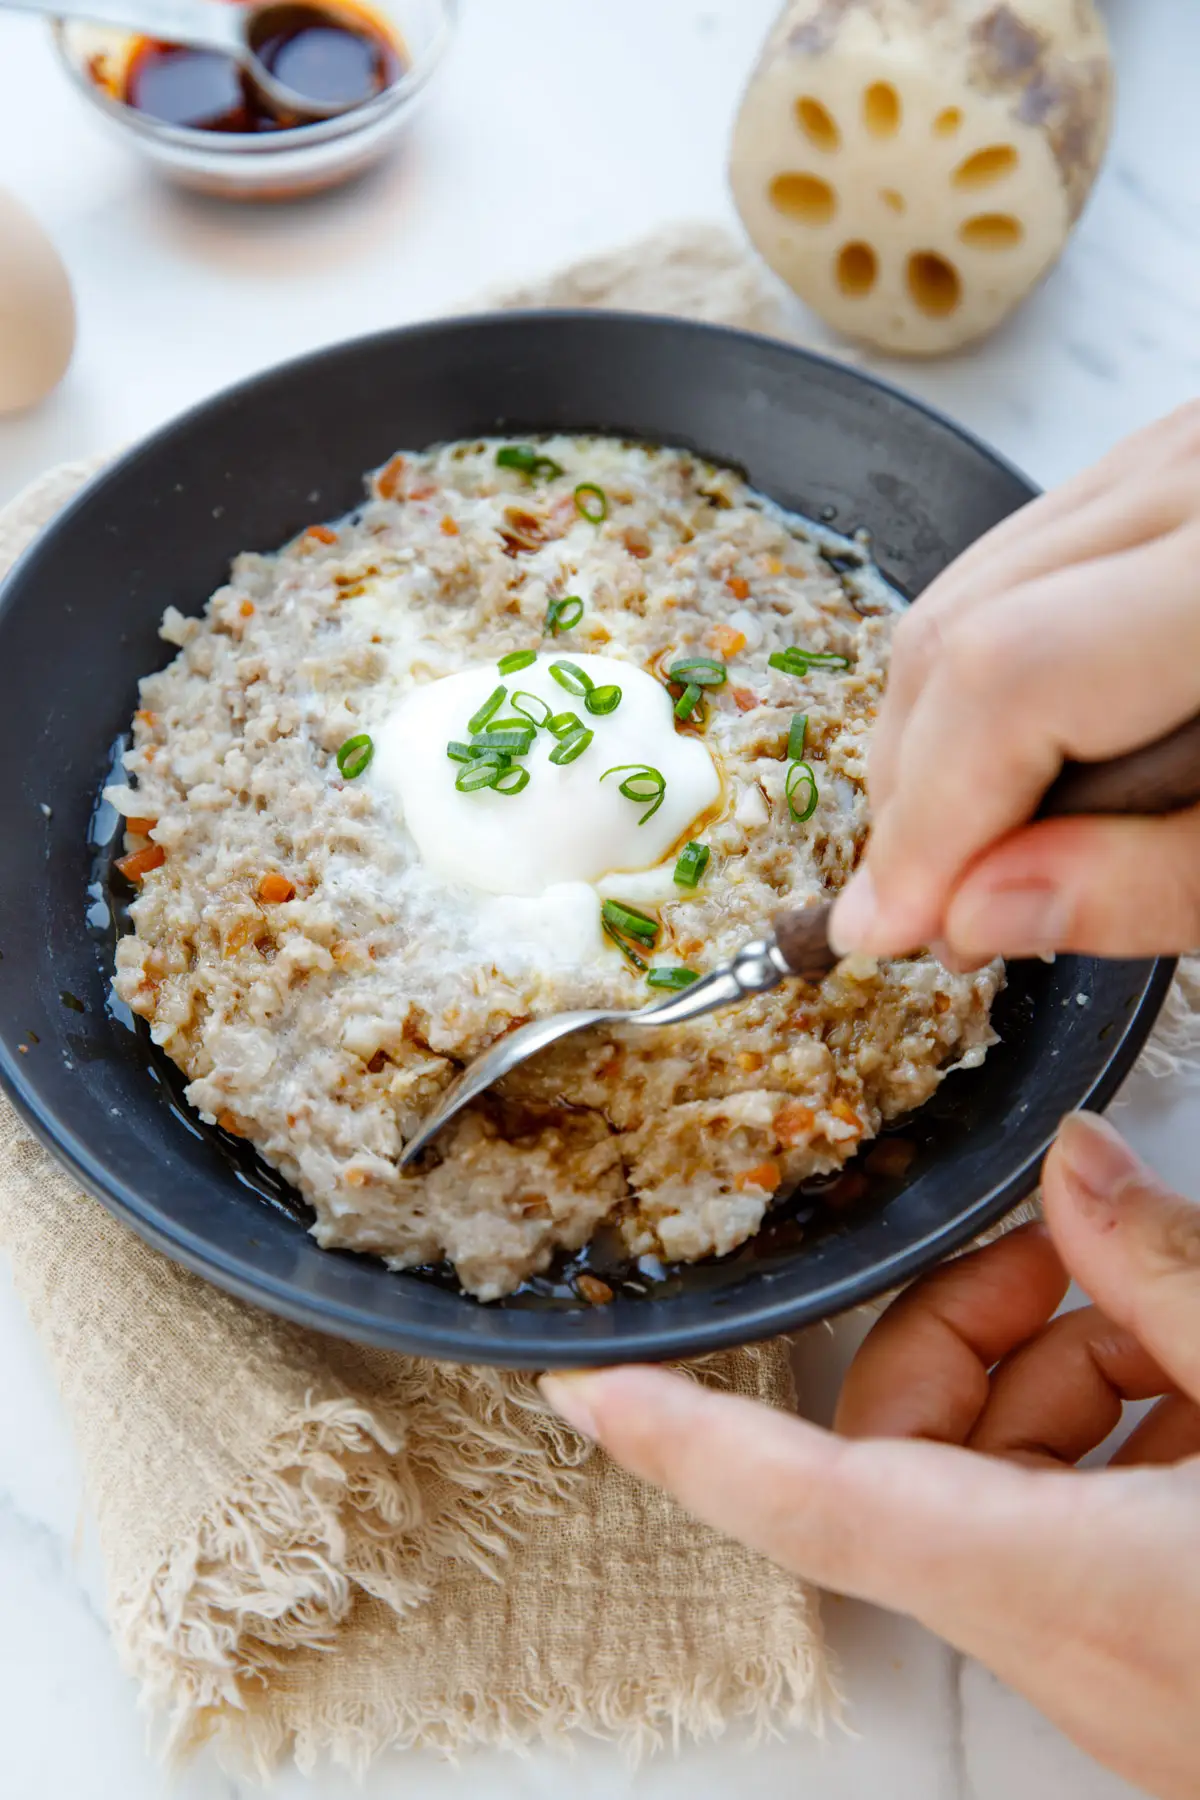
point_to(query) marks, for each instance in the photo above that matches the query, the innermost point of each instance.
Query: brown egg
(37, 312)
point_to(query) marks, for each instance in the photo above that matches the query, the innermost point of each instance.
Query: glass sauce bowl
(265, 165)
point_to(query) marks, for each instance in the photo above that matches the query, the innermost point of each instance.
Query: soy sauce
(325, 55)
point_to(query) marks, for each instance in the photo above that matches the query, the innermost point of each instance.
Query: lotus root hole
(857, 270)
(817, 123)
(803, 197)
(881, 109)
(895, 202)
(986, 166)
(934, 283)
(948, 121)
(992, 231)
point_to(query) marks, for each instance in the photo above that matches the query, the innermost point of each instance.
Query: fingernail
(855, 912)
(1012, 921)
(564, 1393)
(1096, 1159)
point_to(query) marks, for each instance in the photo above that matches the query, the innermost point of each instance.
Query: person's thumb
(919, 1527)
(1129, 1241)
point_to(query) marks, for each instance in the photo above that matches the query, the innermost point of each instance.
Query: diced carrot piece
(239, 935)
(636, 540)
(744, 700)
(941, 1003)
(841, 1109)
(739, 587)
(138, 864)
(140, 827)
(450, 526)
(231, 1123)
(246, 608)
(774, 566)
(276, 889)
(749, 1061)
(320, 534)
(148, 719)
(389, 478)
(766, 1175)
(793, 1123)
(726, 640)
(593, 1290)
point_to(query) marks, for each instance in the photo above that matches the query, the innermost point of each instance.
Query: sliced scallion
(563, 615)
(513, 742)
(591, 502)
(643, 783)
(354, 755)
(519, 659)
(562, 723)
(488, 710)
(570, 676)
(527, 461)
(699, 671)
(459, 752)
(693, 860)
(797, 736)
(480, 772)
(629, 921)
(688, 701)
(631, 956)
(801, 772)
(511, 780)
(674, 979)
(571, 745)
(795, 661)
(603, 700)
(533, 700)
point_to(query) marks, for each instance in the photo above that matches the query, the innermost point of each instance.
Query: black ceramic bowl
(78, 627)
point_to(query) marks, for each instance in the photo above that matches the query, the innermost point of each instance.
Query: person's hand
(951, 1493)
(1072, 630)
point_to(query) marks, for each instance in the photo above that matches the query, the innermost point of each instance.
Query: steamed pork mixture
(358, 868)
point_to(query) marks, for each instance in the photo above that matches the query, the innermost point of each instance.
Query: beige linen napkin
(314, 1548)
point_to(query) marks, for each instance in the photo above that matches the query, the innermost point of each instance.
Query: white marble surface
(558, 128)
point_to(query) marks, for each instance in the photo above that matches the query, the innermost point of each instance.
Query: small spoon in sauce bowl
(301, 62)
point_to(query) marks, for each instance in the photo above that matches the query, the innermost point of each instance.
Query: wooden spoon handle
(1162, 777)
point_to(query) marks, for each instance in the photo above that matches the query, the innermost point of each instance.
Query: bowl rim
(221, 144)
(523, 1347)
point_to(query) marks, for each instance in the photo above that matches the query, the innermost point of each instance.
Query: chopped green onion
(459, 752)
(630, 921)
(571, 745)
(480, 772)
(688, 701)
(563, 722)
(630, 955)
(534, 700)
(511, 781)
(354, 756)
(520, 659)
(797, 736)
(795, 661)
(491, 705)
(591, 502)
(645, 783)
(570, 676)
(527, 461)
(513, 742)
(603, 700)
(671, 978)
(693, 860)
(563, 615)
(801, 771)
(699, 671)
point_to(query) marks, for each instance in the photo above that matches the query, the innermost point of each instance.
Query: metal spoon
(1163, 777)
(236, 31)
